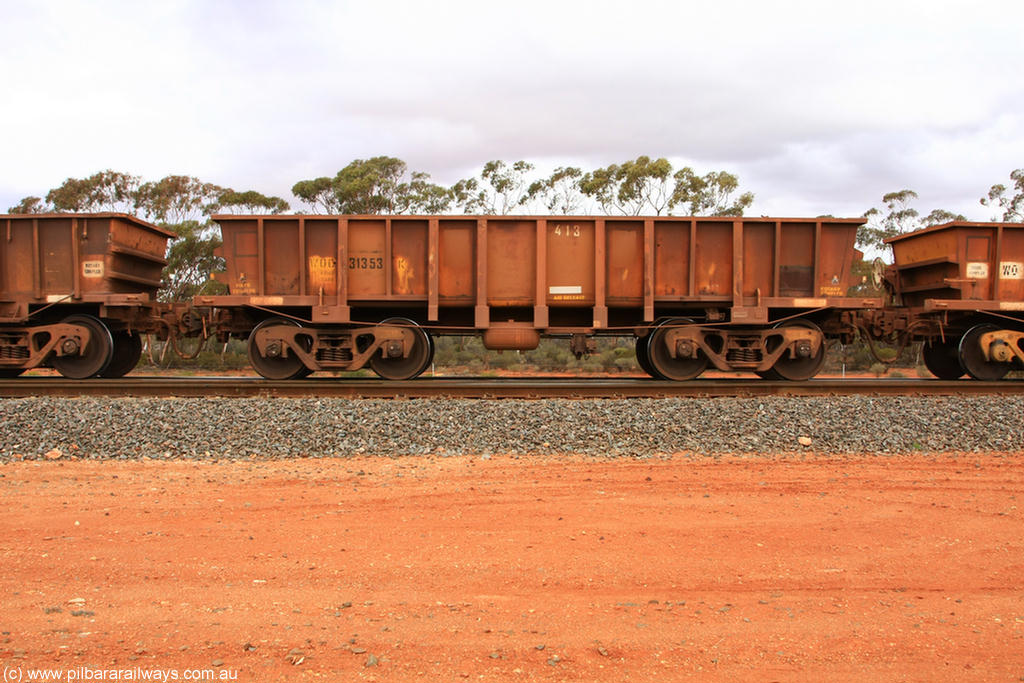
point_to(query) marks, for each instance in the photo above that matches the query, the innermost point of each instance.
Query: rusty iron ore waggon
(340, 292)
(959, 288)
(77, 291)
(315, 292)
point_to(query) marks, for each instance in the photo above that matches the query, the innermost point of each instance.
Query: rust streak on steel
(458, 387)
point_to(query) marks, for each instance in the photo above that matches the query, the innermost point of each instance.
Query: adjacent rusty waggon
(76, 292)
(315, 292)
(959, 287)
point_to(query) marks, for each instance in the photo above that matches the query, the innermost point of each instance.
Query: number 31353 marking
(370, 263)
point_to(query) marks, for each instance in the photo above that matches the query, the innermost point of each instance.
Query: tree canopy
(899, 217)
(650, 186)
(384, 185)
(381, 185)
(1011, 206)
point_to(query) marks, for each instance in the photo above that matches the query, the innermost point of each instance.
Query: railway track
(491, 388)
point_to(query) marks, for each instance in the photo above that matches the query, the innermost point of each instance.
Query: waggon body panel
(961, 265)
(549, 267)
(78, 258)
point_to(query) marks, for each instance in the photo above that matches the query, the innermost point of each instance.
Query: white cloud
(819, 107)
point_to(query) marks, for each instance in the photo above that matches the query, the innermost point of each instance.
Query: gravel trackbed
(241, 428)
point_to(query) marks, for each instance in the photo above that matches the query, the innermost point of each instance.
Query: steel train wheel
(279, 367)
(942, 358)
(973, 360)
(643, 358)
(798, 369)
(98, 353)
(663, 364)
(421, 355)
(127, 352)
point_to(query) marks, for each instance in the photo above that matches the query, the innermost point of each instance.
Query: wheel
(98, 353)
(663, 364)
(283, 366)
(643, 358)
(420, 355)
(798, 369)
(127, 352)
(973, 360)
(942, 358)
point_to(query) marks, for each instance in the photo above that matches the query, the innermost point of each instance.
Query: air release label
(977, 270)
(92, 269)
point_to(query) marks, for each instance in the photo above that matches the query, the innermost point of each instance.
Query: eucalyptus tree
(560, 192)
(1011, 207)
(711, 194)
(380, 185)
(633, 187)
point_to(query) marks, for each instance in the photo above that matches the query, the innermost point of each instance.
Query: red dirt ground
(518, 569)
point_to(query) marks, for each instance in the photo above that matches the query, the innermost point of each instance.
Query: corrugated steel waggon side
(338, 292)
(76, 290)
(959, 288)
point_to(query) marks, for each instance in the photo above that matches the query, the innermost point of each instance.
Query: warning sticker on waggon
(92, 269)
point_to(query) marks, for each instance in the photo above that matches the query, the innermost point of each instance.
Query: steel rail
(491, 388)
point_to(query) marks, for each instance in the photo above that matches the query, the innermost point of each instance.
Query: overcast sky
(819, 107)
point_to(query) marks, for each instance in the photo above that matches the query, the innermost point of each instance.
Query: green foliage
(465, 195)
(374, 186)
(940, 216)
(369, 186)
(104, 191)
(507, 183)
(318, 193)
(383, 185)
(710, 194)
(29, 205)
(900, 217)
(190, 261)
(560, 192)
(633, 187)
(1011, 207)
(176, 199)
(249, 201)
(649, 186)
(501, 189)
